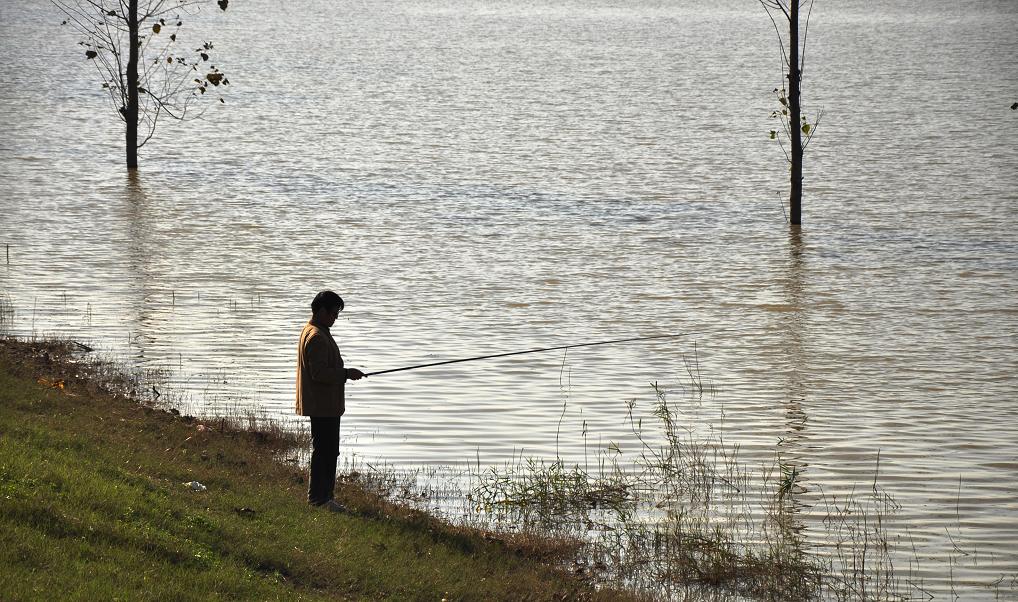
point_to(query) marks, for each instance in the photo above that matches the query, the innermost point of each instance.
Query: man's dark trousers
(324, 455)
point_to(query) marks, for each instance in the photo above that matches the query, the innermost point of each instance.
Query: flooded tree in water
(147, 73)
(796, 128)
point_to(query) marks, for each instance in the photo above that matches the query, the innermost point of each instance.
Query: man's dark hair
(326, 300)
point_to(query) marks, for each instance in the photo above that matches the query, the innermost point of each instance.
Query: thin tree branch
(813, 129)
(805, 36)
(777, 30)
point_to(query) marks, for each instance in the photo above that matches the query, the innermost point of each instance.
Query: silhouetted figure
(321, 383)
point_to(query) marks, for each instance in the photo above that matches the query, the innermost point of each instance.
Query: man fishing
(321, 384)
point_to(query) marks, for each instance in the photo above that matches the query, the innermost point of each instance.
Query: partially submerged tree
(796, 128)
(145, 72)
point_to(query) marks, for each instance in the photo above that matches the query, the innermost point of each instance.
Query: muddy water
(484, 177)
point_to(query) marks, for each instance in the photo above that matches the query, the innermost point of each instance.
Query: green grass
(93, 505)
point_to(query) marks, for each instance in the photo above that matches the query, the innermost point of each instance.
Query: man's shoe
(334, 506)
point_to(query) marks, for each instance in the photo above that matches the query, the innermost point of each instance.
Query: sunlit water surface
(479, 177)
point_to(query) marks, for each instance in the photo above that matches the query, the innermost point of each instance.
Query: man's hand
(354, 374)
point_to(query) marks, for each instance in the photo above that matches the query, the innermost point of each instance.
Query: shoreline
(95, 500)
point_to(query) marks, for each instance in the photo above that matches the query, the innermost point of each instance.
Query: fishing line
(485, 357)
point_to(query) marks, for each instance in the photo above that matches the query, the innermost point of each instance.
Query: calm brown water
(477, 177)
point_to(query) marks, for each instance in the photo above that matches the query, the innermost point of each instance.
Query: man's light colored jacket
(321, 377)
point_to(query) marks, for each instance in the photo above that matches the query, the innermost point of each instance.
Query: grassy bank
(93, 504)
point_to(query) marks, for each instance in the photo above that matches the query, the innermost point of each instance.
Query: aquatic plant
(6, 311)
(686, 517)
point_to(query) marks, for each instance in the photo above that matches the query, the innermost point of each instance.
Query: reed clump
(687, 517)
(6, 311)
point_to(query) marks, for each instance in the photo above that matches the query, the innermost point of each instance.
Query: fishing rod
(494, 355)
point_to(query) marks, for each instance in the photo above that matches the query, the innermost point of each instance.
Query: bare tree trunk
(795, 119)
(131, 111)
